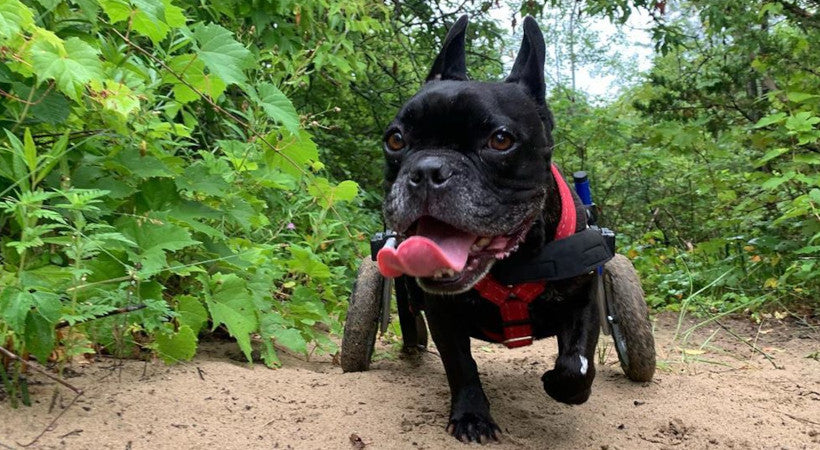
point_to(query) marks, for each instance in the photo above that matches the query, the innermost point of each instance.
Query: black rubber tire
(631, 328)
(363, 314)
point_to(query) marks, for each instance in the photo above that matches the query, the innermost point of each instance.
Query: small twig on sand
(51, 424)
(72, 433)
(757, 335)
(36, 367)
(751, 345)
(654, 441)
(799, 419)
(53, 403)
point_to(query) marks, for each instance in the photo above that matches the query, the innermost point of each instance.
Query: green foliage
(709, 168)
(151, 155)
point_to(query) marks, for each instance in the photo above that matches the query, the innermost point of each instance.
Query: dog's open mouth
(446, 259)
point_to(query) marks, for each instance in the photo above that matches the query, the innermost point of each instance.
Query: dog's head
(467, 167)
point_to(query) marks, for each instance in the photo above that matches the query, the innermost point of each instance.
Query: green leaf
(154, 238)
(269, 354)
(14, 16)
(814, 195)
(307, 306)
(807, 158)
(174, 15)
(14, 306)
(39, 336)
(50, 107)
(191, 313)
(801, 122)
(71, 66)
(224, 56)
(347, 190)
(88, 8)
(158, 194)
(48, 305)
(146, 166)
(773, 183)
(18, 165)
(148, 19)
(770, 119)
(175, 347)
(115, 97)
(800, 97)
(49, 4)
(808, 250)
(192, 70)
(29, 151)
(328, 195)
(231, 304)
(198, 178)
(54, 156)
(292, 154)
(290, 338)
(277, 106)
(303, 260)
(268, 324)
(49, 276)
(771, 154)
(116, 10)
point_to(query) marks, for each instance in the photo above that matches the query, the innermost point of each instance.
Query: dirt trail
(723, 395)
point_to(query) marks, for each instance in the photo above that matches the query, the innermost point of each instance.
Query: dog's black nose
(430, 171)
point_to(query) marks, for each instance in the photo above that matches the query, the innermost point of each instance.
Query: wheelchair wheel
(363, 317)
(628, 319)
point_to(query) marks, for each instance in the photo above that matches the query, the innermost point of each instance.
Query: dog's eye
(395, 141)
(501, 140)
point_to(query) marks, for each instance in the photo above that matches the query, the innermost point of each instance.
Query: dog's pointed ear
(451, 63)
(528, 69)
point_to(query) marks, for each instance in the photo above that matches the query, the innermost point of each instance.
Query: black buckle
(386, 238)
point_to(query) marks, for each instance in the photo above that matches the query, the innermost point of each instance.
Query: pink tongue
(437, 246)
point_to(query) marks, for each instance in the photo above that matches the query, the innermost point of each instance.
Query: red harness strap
(513, 301)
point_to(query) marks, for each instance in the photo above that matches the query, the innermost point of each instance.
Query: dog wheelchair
(617, 292)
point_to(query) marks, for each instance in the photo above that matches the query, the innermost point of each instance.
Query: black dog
(470, 182)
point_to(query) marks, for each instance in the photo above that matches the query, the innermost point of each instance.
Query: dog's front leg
(571, 379)
(470, 418)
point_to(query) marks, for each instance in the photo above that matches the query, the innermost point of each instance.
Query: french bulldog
(470, 185)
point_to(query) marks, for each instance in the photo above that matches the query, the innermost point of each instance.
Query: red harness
(513, 300)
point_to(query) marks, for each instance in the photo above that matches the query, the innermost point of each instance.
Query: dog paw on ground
(568, 384)
(470, 427)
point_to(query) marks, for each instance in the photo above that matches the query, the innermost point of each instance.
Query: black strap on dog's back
(558, 260)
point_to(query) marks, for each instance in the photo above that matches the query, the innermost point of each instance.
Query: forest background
(173, 167)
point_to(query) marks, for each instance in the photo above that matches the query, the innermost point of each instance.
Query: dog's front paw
(570, 381)
(472, 427)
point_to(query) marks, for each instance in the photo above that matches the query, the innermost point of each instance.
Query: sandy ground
(710, 391)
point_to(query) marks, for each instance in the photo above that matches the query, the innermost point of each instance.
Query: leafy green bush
(708, 168)
(140, 165)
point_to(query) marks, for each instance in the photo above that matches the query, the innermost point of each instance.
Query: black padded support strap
(565, 258)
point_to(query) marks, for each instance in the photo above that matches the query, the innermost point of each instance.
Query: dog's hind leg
(571, 379)
(409, 302)
(470, 418)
